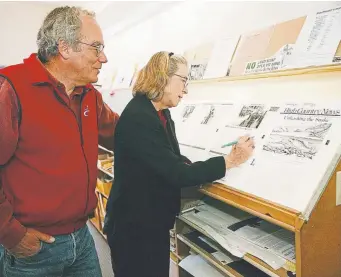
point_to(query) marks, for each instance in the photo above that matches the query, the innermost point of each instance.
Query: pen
(229, 144)
(232, 143)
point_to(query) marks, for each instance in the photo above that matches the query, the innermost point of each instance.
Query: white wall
(190, 23)
(193, 22)
(20, 21)
(19, 25)
(177, 28)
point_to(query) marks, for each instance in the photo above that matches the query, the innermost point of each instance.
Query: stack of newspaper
(239, 232)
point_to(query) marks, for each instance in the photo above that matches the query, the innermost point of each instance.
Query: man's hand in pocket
(30, 244)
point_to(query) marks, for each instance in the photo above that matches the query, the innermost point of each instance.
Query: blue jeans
(72, 255)
(2, 253)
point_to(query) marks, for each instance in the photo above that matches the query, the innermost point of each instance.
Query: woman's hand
(240, 152)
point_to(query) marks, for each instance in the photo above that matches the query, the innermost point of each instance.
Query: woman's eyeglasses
(183, 78)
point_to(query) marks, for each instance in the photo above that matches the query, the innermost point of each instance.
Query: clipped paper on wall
(319, 39)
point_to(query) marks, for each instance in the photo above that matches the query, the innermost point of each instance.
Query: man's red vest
(50, 180)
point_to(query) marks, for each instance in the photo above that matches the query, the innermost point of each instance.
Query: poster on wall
(267, 49)
(319, 40)
(276, 62)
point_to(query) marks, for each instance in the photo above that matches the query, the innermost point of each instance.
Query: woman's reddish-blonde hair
(153, 78)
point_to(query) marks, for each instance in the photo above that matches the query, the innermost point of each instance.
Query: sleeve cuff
(221, 167)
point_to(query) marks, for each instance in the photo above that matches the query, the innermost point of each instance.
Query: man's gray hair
(63, 23)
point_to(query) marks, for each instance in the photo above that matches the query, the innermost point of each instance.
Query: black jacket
(149, 170)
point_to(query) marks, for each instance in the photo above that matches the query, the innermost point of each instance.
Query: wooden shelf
(173, 257)
(274, 213)
(100, 211)
(176, 256)
(104, 149)
(210, 258)
(102, 193)
(278, 73)
(106, 172)
(282, 272)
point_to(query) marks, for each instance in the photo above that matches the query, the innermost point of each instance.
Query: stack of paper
(240, 233)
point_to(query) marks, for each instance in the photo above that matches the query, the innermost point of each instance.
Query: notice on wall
(273, 63)
(318, 40)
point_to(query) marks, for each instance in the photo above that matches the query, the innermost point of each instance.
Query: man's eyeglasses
(99, 48)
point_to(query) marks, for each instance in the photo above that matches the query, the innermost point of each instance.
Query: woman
(150, 171)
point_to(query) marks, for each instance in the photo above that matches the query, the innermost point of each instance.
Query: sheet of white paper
(197, 124)
(251, 120)
(198, 267)
(221, 56)
(193, 153)
(318, 40)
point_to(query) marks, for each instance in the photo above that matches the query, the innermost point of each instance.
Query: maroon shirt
(162, 118)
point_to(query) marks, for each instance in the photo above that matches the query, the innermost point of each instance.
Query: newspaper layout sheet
(296, 144)
(240, 233)
(296, 153)
(247, 119)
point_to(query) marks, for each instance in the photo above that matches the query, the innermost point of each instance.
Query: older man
(51, 121)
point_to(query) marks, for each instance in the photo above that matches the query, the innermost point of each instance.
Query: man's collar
(39, 75)
(37, 72)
